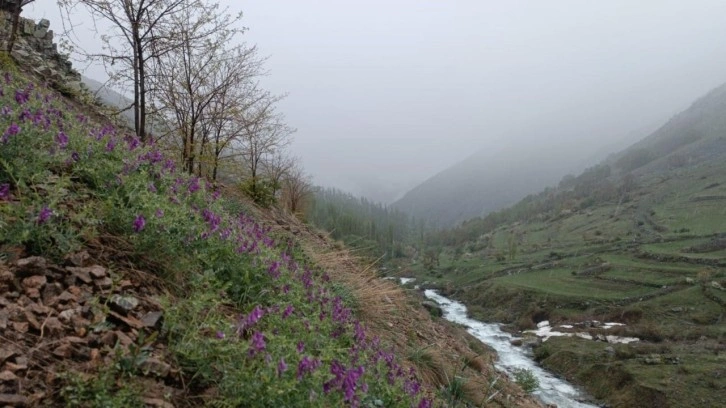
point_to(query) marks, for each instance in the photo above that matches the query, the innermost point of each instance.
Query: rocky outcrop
(35, 49)
(75, 317)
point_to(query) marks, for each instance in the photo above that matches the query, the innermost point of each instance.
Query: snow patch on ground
(545, 331)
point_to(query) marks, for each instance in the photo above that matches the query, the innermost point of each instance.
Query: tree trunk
(136, 40)
(15, 23)
(141, 130)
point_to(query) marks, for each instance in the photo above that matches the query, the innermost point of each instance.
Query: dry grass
(437, 349)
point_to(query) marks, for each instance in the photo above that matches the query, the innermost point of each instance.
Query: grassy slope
(653, 280)
(249, 319)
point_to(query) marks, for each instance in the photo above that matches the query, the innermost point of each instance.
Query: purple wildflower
(274, 269)
(44, 215)
(12, 130)
(350, 383)
(110, 145)
(21, 97)
(133, 143)
(281, 367)
(341, 314)
(152, 187)
(62, 139)
(193, 185)
(159, 213)
(307, 278)
(306, 366)
(4, 191)
(24, 115)
(250, 320)
(425, 403)
(211, 218)
(75, 156)
(257, 343)
(411, 387)
(220, 334)
(139, 223)
(288, 311)
(360, 333)
(169, 165)
(153, 157)
(300, 347)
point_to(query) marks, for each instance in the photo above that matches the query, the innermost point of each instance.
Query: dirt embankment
(60, 321)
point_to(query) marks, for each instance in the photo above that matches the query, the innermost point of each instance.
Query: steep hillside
(638, 240)
(124, 283)
(486, 181)
(694, 135)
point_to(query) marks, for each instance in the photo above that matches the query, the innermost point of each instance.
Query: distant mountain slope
(692, 136)
(487, 181)
(117, 101)
(110, 97)
(491, 180)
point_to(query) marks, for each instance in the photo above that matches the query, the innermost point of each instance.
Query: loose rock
(8, 376)
(155, 366)
(151, 319)
(124, 304)
(83, 274)
(13, 400)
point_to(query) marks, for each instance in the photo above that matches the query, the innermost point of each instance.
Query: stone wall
(34, 48)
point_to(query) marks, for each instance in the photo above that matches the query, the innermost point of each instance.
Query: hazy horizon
(387, 94)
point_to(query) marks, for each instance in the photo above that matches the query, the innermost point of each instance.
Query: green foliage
(101, 390)
(7, 63)
(454, 390)
(512, 244)
(362, 224)
(205, 343)
(526, 379)
(431, 258)
(260, 190)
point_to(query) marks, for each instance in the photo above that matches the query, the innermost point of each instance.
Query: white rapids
(552, 390)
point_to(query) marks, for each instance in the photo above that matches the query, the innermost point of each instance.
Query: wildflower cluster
(65, 179)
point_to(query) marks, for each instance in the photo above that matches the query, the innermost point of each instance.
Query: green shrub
(526, 379)
(101, 390)
(260, 190)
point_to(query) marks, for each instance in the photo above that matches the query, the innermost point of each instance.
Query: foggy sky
(386, 93)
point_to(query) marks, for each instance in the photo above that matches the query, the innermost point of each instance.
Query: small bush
(526, 379)
(99, 391)
(261, 191)
(7, 63)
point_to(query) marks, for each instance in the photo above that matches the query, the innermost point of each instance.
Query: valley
(654, 262)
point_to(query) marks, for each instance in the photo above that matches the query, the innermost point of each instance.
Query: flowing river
(552, 390)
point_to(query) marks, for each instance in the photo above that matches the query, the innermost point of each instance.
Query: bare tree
(276, 168)
(220, 129)
(140, 33)
(264, 133)
(17, 8)
(296, 190)
(203, 83)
